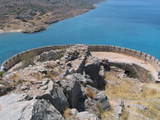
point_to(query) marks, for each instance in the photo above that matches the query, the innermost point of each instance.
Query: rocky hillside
(71, 84)
(35, 15)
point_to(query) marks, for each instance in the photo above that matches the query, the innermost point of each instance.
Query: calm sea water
(127, 23)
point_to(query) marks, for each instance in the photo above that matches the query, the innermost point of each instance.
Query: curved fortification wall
(6, 65)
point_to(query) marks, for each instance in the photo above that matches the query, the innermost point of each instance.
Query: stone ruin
(64, 84)
(71, 80)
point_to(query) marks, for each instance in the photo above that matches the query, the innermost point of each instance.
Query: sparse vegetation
(100, 109)
(52, 74)
(59, 85)
(15, 79)
(1, 73)
(30, 11)
(124, 115)
(133, 89)
(28, 59)
(153, 109)
(144, 95)
(37, 76)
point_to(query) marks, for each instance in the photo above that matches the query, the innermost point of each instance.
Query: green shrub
(1, 73)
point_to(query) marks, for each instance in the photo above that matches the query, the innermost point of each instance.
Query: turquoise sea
(127, 23)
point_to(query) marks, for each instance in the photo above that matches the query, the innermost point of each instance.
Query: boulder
(13, 108)
(119, 108)
(74, 112)
(97, 105)
(92, 68)
(86, 116)
(90, 106)
(43, 110)
(83, 79)
(54, 93)
(4, 89)
(102, 101)
(73, 92)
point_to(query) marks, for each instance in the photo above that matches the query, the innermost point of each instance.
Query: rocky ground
(71, 84)
(35, 15)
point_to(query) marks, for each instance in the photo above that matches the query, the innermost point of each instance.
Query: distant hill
(37, 14)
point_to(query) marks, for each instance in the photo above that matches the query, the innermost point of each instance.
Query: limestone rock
(97, 105)
(13, 109)
(74, 111)
(43, 110)
(92, 68)
(55, 95)
(4, 89)
(90, 106)
(82, 79)
(86, 116)
(103, 101)
(119, 109)
(73, 82)
(72, 90)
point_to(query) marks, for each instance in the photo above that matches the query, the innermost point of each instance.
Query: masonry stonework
(98, 48)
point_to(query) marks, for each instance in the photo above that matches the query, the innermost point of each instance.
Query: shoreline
(45, 24)
(10, 31)
(42, 26)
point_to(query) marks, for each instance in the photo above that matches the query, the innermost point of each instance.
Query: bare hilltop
(35, 15)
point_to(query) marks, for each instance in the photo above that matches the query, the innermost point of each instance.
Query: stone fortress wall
(6, 65)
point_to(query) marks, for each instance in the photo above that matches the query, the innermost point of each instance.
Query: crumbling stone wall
(6, 65)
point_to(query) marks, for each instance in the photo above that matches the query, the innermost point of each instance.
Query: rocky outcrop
(51, 55)
(53, 93)
(4, 89)
(42, 110)
(71, 84)
(98, 104)
(57, 81)
(15, 107)
(72, 89)
(93, 68)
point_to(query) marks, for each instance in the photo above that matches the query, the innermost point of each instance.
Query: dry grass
(52, 74)
(109, 115)
(132, 92)
(153, 109)
(124, 115)
(126, 88)
(37, 76)
(90, 93)
(15, 79)
(68, 114)
(28, 59)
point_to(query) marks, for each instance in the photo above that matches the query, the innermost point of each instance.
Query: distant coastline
(10, 31)
(41, 22)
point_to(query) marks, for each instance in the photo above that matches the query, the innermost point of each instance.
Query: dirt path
(119, 57)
